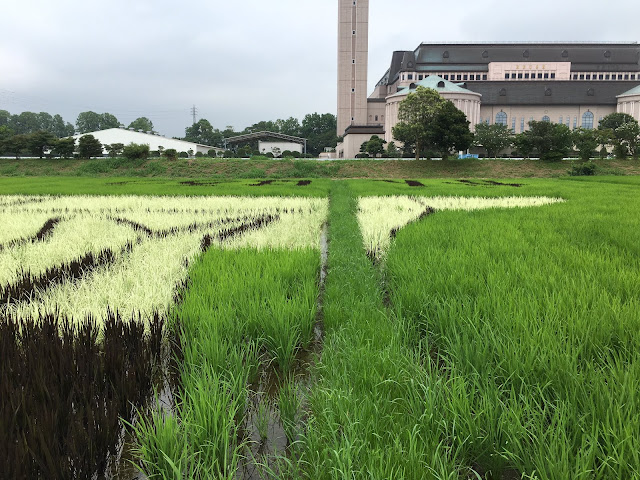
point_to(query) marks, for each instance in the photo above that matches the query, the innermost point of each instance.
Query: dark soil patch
(193, 183)
(303, 183)
(414, 183)
(388, 181)
(262, 183)
(493, 182)
(118, 183)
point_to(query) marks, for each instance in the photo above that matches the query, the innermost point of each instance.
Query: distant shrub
(583, 169)
(136, 150)
(183, 155)
(212, 153)
(229, 154)
(199, 154)
(171, 153)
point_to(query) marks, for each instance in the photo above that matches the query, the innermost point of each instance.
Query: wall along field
(468, 329)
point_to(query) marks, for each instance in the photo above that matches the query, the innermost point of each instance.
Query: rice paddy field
(318, 329)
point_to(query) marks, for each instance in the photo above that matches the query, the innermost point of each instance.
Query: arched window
(501, 118)
(587, 120)
(546, 118)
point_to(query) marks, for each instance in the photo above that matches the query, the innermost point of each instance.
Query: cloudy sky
(244, 61)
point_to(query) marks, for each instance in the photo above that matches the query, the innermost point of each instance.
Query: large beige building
(510, 83)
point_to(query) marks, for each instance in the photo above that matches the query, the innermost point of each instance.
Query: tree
(392, 150)
(5, 118)
(523, 145)
(619, 135)
(171, 153)
(320, 132)
(494, 138)
(552, 141)
(24, 123)
(290, 126)
(89, 146)
(449, 130)
(40, 141)
(136, 151)
(203, 132)
(5, 135)
(115, 149)
(375, 146)
(585, 141)
(93, 122)
(64, 147)
(60, 128)
(142, 123)
(17, 145)
(415, 115)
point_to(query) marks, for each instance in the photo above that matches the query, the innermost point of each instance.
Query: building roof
(476, 57)
(436, 83)
(633, 91)
(555, 92)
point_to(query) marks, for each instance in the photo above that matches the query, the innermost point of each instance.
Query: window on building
(587, 120)
(606, 77)
(513, 124)
(568, 120)
(353, 90)
(553, 75)
(513, 75)
(458, 77)
(420, 77)
(501, 118)
(539, 75)
(376, 119)
(620, 77)
(560, 121)
(465, 77)
(588, 76)
(354, 32)
(626, 76)
(526, 75)
(519, 75)
(472, 77)
(633, 76)
(575, 76)
(410, 76)
(484, 77)
(546, 119)
(506, 76)
(582, 76)
(521, 124)
(546, 75)
(446, 77)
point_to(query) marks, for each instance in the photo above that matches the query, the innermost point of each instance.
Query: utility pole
(194, 110)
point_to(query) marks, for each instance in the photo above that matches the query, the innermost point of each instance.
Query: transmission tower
(194, 110)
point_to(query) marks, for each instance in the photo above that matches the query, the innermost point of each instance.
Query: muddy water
(264, 430)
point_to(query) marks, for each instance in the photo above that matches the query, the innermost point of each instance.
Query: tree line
(319, 130)
(431, 126)
(30, 133)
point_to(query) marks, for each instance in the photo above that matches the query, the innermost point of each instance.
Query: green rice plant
(289, 407)
(530, 316)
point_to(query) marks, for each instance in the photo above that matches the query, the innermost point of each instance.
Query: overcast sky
(244, 61)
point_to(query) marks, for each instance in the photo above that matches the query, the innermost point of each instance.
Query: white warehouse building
(125, 136)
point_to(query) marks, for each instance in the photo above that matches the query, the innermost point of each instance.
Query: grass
(229, 169)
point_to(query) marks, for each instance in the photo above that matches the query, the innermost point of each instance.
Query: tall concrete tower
(353, 58)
